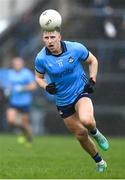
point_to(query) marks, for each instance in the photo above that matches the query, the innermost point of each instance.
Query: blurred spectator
(104, 22)
(109, 24)
(23, 33)
(21, 84)
(122, 28)
(100, 3)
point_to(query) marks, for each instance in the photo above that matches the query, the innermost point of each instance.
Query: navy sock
(94, 131)
(97, 158)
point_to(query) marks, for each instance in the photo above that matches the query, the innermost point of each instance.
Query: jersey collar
(63, 46)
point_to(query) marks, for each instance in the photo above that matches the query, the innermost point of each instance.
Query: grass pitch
(57, 157)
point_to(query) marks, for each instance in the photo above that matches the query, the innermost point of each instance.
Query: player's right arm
(40, 80)
(39, 72)
(39, 76)
(50, 88)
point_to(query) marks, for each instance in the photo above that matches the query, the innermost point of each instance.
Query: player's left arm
(31, 86)
(93, 66)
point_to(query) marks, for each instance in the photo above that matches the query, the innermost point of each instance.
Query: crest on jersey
(70, 59)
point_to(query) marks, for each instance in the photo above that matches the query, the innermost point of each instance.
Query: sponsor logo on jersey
(63, 73)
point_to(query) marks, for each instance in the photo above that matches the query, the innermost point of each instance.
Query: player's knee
(88, 121)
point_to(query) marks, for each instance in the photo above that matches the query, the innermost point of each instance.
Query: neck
(58, 50)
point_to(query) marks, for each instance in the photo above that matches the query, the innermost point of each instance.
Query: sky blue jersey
(17, 79)
(65, 70)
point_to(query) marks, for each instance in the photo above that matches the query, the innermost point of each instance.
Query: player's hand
(89, 87)
(51, 88)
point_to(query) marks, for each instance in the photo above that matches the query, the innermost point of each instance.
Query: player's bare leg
(14, 119)
(11, 116)
(84, 108)
(81, 133)
(27, 126)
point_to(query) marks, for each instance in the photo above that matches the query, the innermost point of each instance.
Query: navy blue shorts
(22, 109)
(68, 110)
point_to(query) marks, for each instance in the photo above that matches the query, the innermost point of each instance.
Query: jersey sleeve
(39, 66)
(83, 52)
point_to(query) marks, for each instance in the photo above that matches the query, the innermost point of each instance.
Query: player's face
(17, 64)
(52, 41)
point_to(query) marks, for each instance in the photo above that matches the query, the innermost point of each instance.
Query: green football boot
(101, 166)
(101, 140)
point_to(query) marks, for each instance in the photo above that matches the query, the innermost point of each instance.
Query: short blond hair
(58, 29)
